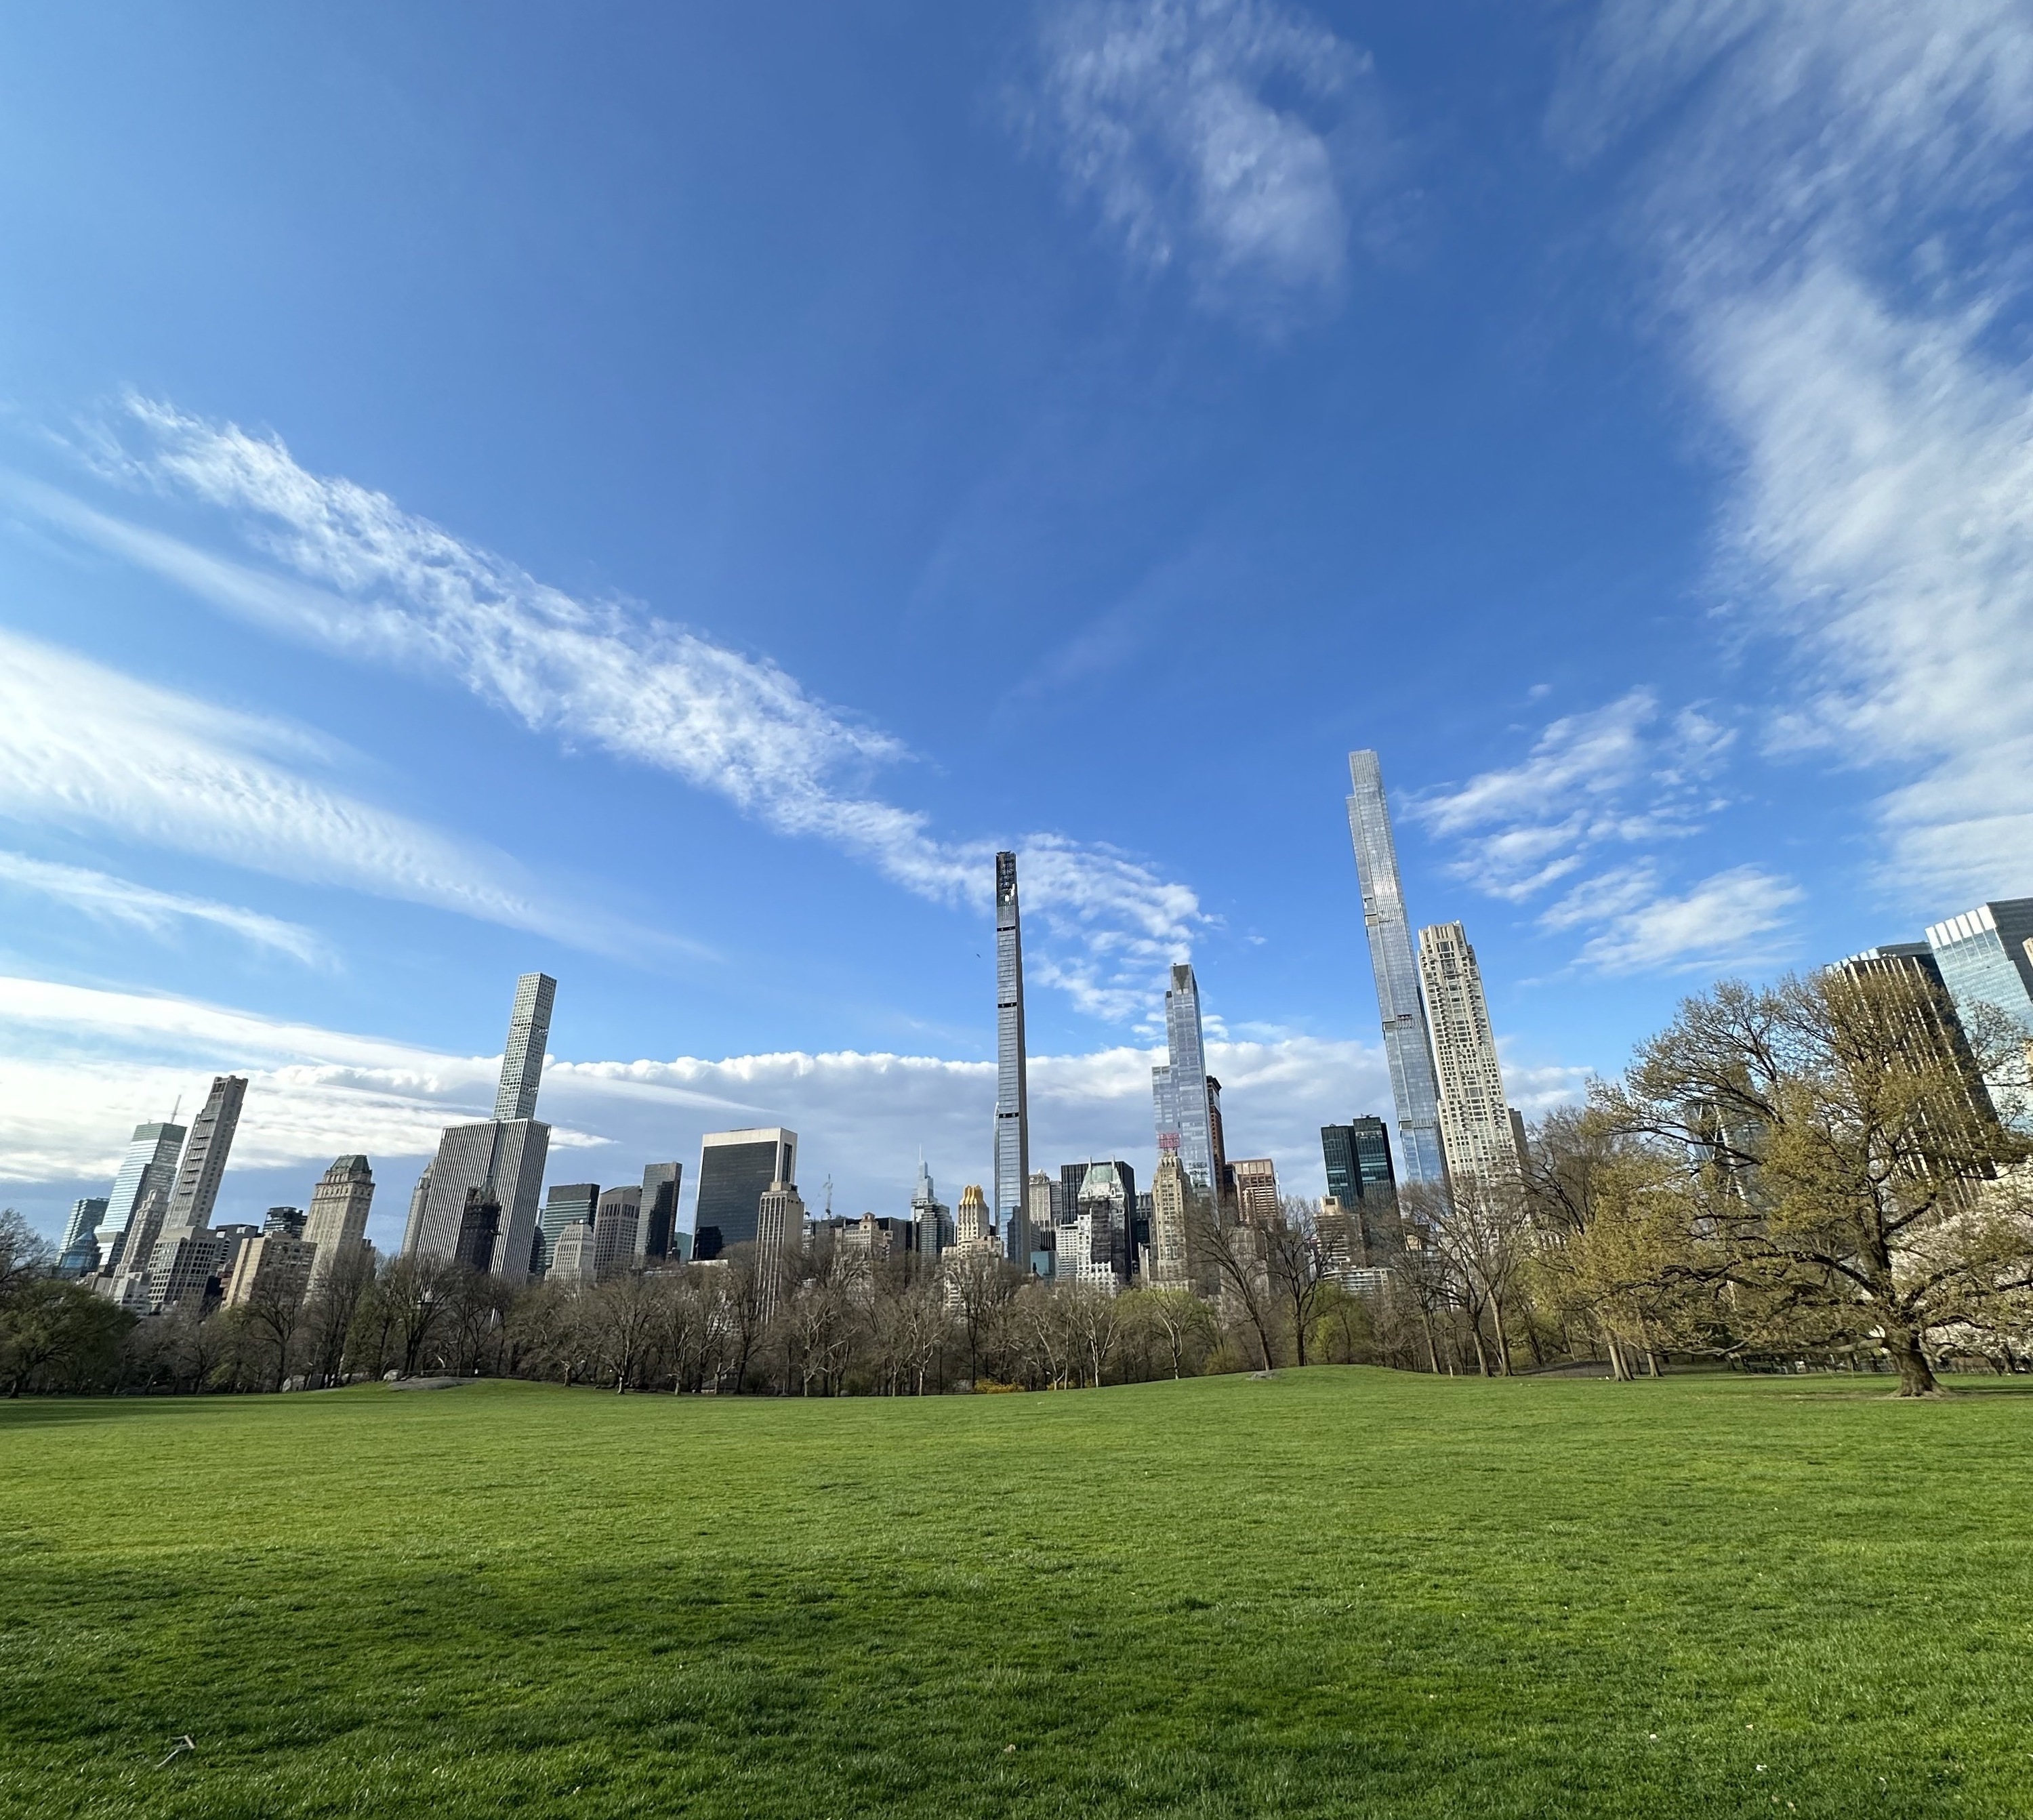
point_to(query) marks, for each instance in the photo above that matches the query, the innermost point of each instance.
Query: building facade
(932, 1224)
(1179, 1086)
(780, 1241)
(736, 1169)
(1255, 1181)
(659, 1224)
(1407, 1048)
(1985, 957)
(1012, 1107)
(78, 1254)
(523, 1055)
(335, 1225)
(151, 1160)
(501, 1161)
(616, 1226)
(204, 1164)
(1476, 1135)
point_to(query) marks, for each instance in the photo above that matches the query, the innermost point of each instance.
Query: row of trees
(1829, 1166)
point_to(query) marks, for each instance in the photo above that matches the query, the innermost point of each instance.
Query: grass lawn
(1341, 1593)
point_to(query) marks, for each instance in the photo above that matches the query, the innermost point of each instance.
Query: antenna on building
(828, 1194)
(176, 1108)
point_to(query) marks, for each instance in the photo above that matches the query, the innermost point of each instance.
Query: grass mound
(1335, 1592)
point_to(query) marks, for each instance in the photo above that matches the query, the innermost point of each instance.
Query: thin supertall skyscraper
(1179, 1087)
(1406, 1045)
(1012, 1118)
(522, 1057)
(204, 1158)
(1475, 1117)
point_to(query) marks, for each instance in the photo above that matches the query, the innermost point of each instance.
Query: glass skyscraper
(1013, 1120)
(736, 1169)
(1985, 957)
(150, 1162)
(1179, 1088)
(1407, 1046)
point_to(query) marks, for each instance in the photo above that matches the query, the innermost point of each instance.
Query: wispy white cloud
(1624, 774)
(1734, 918)
(83, 747)
(378, 584)
(1836, 217)
(1210, 134)
(106, 899)
(80, 1066)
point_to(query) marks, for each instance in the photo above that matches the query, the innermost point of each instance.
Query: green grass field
(1338, 1593)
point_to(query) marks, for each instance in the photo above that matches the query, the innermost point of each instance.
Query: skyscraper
(568, 1203)
(660, 1183)
(335, 1225)
(616, 1227)
(498, 1162)
(1358, 1155)
(151, 1159)
(523, 1057)
(1255, 1189)
(203, 1162)
(736, 1169)
(1179, 1088)
(780, 1237)
(929, 1216)
(1407, 1046)
(80, 1254)
(1013, 1118)
(1475, 1117)
(1985, 957)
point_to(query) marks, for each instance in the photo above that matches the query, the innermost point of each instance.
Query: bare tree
(415, 1294)
(1094, 1316)
(1179, 1319)
(337, 1293)
(1239, 1255)
(979, 1285)
(1295, 1267)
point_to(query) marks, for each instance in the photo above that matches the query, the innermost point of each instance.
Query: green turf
(1338, 1593)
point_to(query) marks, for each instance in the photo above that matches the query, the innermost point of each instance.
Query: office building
(1406, 1047)
(780, 1242)
(479, 1231)
(617, 1223)
(1223, 1176)
(1177, 1256)
(498, 1163)
(335, 1225)
(523, 1055)
(736, 1169)
(204, 1163)
(1255, 1184)
(1364, 1187)
(931, 1222)
(1179, 1086)
(658, 1224)
(288, 1221)
(78, 1254)
(1093, 1244)
(567, 1203)
(182, 1267)
(572, 1253)
(973, 1229)
(1985, 957)
(1934, 1026)
(1476, 1137)
(1041, 1206)
(1012, 1115)
(270, 1266)
(235, 1236)
(126, 1281)
(420, 1198)
(151, 1159)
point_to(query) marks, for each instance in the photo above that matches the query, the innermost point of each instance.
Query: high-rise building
(1475, 1136)
(571, 1259)
(932, 1225)
(479, 1230)
(1407, 1046)
(1363, 1186)
(151, 1159)
(523, 1057)
(1986, 958)
(204, 1157)
(1040, 1203)
(1094, 1243)
(498, 1162)
(420, 1197)
(973, 1229)
(780, 1236)
(181, 1266)
(567, 1203)
(126, 1279)
(336, 1226)
(660, 1183)
(616, 1224)
(79, 1256)
(287, 1221)
(1933, 1022)
(736, 1169)
(1177, 1258)
(501, 1163)
(1179, 1087)
(1012, 1112)
(1255, 1189)
(272, 1263)
(1224, 1177)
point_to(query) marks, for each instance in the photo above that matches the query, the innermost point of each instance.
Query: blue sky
(660, 495)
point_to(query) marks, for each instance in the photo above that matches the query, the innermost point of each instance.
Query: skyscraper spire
(1407, 1046)
(1013, 1118)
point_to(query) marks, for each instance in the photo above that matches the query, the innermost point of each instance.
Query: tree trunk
(1502, 1340)
(1433, 1354)
(1916, 1376)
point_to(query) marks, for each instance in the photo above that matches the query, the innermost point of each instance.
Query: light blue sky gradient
(660, 495)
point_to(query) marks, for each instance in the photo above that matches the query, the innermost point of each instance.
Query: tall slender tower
(205, 1154)
(1012, 1112)
(1179, 1088)
(1475, 1117)
(523, 1057)
(151, 1161)
(1407, 1046)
